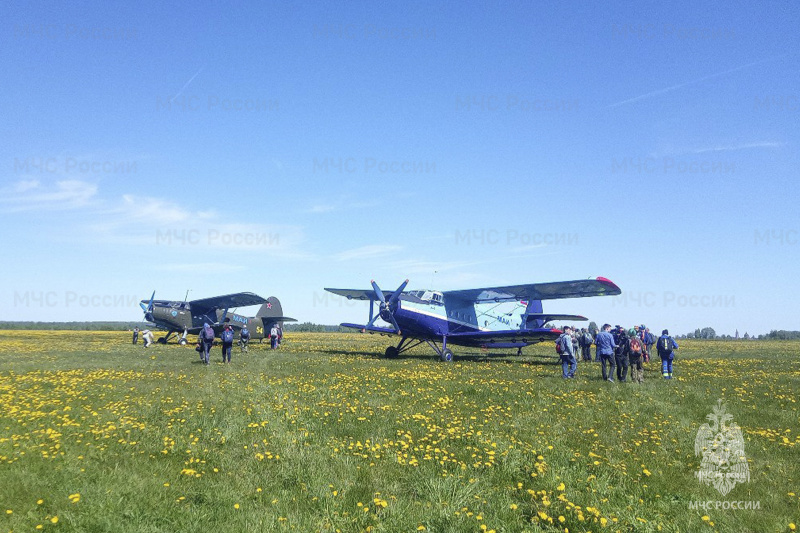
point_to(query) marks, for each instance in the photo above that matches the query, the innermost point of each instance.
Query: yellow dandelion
(54, 520)
(235, 505)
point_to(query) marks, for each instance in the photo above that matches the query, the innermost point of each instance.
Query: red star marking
(269, 305)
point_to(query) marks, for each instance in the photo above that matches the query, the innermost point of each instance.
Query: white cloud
(31, 195)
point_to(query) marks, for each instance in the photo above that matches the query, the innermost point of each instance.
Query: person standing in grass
(568, 362)
(227, 343)
(649, 341)
(244, 339)
(586, 344)
(635, 354)
(605, 346)
(273, 337)
(666, 346)
(622, 355)
(135, 335)
(205, 340)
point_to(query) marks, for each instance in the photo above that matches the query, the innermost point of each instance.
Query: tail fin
(531, 318)
(270, 309)
(272, 312)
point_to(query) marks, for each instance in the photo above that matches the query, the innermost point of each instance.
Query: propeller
(387, 309)
(148, 309)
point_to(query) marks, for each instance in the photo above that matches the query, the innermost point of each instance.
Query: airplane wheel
(447, 355)
(161, 340)
(391, 352)
(182, 342)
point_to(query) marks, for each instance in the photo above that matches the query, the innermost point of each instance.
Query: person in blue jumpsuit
(666, 347)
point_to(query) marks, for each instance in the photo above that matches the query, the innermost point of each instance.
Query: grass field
(99, 435)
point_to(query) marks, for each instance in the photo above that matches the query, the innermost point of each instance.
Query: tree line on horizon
(706, 333)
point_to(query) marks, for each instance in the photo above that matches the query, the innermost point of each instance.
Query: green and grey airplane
(184, 318)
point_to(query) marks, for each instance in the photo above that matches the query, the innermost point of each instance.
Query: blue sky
(281, 149)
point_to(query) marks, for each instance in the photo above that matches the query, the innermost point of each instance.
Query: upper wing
(356, 294)
(539, 291)
(239, 299)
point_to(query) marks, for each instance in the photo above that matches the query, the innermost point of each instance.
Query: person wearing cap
(666, 347)
(635, 350)
(605, 346)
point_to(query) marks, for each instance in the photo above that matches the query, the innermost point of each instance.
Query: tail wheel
(446, 355)
(391, 352)
(182, 342)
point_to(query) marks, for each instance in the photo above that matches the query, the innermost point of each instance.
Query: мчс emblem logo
(721, 444)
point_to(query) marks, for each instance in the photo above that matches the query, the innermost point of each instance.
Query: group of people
(616, 349)
(205, 340)
(147, 337)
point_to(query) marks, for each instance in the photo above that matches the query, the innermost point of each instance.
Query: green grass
(323, 436)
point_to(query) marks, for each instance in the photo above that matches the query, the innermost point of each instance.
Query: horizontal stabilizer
(373, 329)
(547, 317)
(266, 319)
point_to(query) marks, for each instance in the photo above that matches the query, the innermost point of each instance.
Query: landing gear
(182, 341)
(391, 352)
(162, 340)
(446, 355)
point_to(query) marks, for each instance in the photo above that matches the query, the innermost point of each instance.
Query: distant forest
(128, 326)
(704, 333)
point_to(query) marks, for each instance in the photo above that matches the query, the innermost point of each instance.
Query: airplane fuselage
(428, 316)
(174, 316)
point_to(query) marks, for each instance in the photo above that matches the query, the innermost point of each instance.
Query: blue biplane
(489, 317)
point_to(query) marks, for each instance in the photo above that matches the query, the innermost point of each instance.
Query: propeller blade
(378, 292)
(396, 294)
(394, 322)
(149, 308)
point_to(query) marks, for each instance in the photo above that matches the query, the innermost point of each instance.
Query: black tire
(446, 356)
(391, 352)
(162, 340)
(182, 342)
